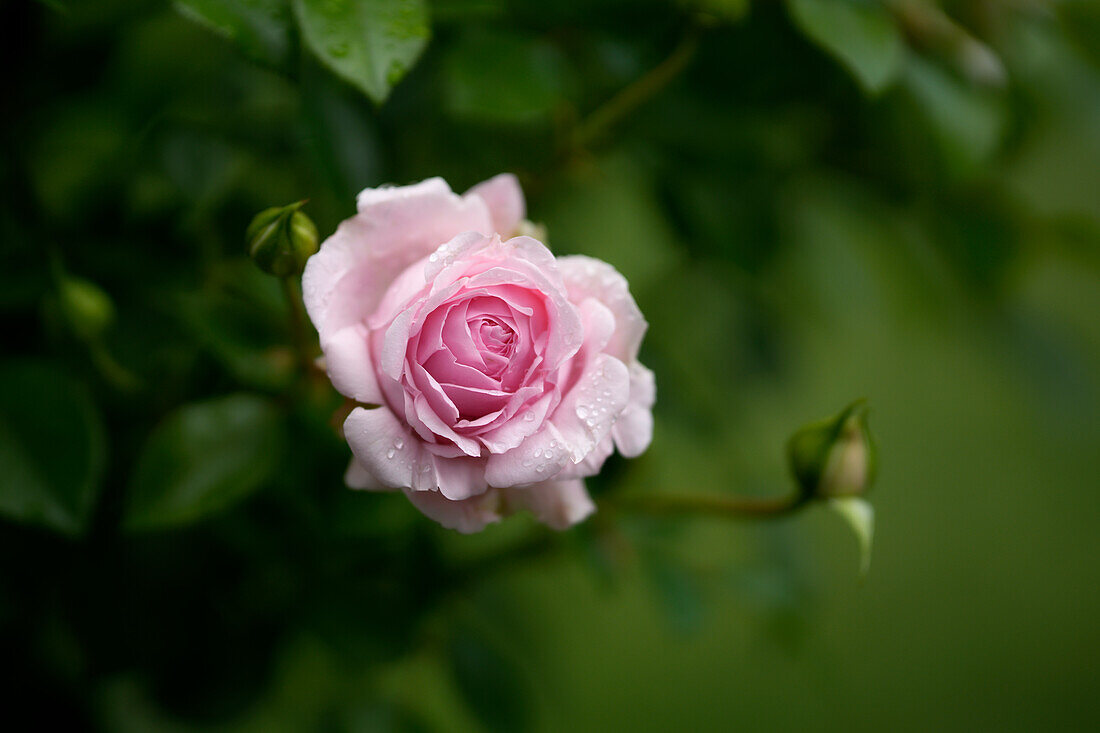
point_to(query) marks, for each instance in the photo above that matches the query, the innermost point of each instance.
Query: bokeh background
(813, 200)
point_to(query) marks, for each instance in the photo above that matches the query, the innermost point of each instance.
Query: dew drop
(390, 453)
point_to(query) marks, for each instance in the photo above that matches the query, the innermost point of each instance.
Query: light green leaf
(370, 43)
(204, 458)
(52, 447)
(497, 77)
(261, 28)
(860, 516)
(861, 34)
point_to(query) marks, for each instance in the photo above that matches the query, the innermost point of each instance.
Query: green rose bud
(281, 239)
(86, 308)
(834, 457)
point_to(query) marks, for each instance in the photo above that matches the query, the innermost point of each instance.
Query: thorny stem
(637, 93)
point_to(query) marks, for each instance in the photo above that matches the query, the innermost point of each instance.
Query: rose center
(494, 337)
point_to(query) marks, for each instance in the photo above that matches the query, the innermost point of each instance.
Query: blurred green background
(813, 200)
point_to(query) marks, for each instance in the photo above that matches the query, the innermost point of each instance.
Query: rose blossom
(491, 376)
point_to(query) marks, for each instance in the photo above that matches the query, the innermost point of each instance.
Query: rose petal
(428, 416)
(592, 463)
(385, 447)
(537, 458)
(504, 198)
(633, 431)
(349, 365)
(558, 504)
(586, 277)
(588, 412)
(474, 403)
(460, 478)
(467, 516)
(523, 424)
(357, 477)
(344, 282)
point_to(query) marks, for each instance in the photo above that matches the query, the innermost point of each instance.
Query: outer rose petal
(357, 477)
(504, 197)
(386, 449)
(343, 283)
(349, 365)
(558, 504)
(586, 415)
(466, 516)
(586, 277)
(460, 478)
(540, 456)
(634, 429)
(591, 464)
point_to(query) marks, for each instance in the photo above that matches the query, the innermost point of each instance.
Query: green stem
(730, 507)
(114, 373)
(637, 93)
(297, 325)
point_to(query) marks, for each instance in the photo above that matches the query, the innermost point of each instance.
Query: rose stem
(297, 324)
(702, 505)
(637, 93)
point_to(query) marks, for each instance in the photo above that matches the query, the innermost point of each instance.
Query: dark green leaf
(204, 458)
(52, 447)
(370, 43)
(503, 78)
(494, 688)
(862, 35)
(261, 28)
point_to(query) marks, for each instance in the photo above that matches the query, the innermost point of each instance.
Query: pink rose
(493, 376)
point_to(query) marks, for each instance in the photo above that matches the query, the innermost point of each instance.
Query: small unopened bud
(281, 239)
(86, 308)
(834, 457)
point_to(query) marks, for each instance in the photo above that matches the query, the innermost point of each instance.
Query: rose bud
(504, 375)
(281, 239)
(834, 457)
(87, 309)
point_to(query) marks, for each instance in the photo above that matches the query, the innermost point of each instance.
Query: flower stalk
(709, 505)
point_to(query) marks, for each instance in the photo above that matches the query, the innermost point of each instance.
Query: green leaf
(497, 77)
(492, 685)
(52, 447)
(860, 516)
(261, 28)
(370, 43)
(204, 458)
(861, 34)
(967, 122)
